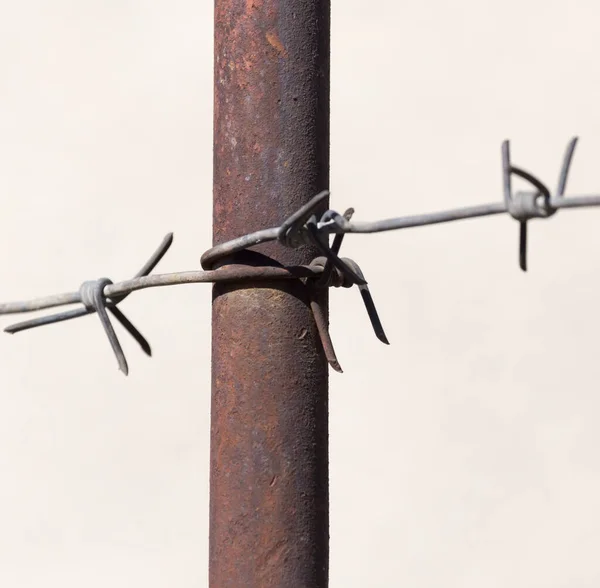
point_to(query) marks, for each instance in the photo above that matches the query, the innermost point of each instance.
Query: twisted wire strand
(302, 227)
(230, 273)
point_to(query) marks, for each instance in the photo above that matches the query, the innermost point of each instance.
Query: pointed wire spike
(40, 321)
(506, 168)
(566, 166)
(323, 330)
(334, 363)
(373, 315)
(99, 302)
(156, 256)
(131, 329)
(152, 262)
(369, 304)
(523, 245)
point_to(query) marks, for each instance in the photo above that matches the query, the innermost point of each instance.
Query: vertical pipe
(269, 431)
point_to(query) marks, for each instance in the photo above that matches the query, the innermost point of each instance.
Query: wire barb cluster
(302, 228)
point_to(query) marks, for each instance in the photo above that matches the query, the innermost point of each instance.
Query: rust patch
(276, 43)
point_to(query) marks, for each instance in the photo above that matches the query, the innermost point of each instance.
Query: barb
(322, 328)
(317, 310)
(91, 294)
(335, 249)
(566, 166)
(369, 304)
(302, 227)
(349, 274)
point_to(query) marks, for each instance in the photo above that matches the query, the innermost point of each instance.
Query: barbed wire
(225, 262)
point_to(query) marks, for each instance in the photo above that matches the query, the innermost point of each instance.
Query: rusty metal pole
(269, 505)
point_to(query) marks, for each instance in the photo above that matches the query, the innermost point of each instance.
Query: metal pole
(269, 433)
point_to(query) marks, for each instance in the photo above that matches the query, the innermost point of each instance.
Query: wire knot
(334, 278)
(524, 206)
(92, 293)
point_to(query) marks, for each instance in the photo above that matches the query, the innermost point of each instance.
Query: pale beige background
(463, 455)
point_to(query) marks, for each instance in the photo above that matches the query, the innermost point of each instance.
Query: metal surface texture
(269, 432)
